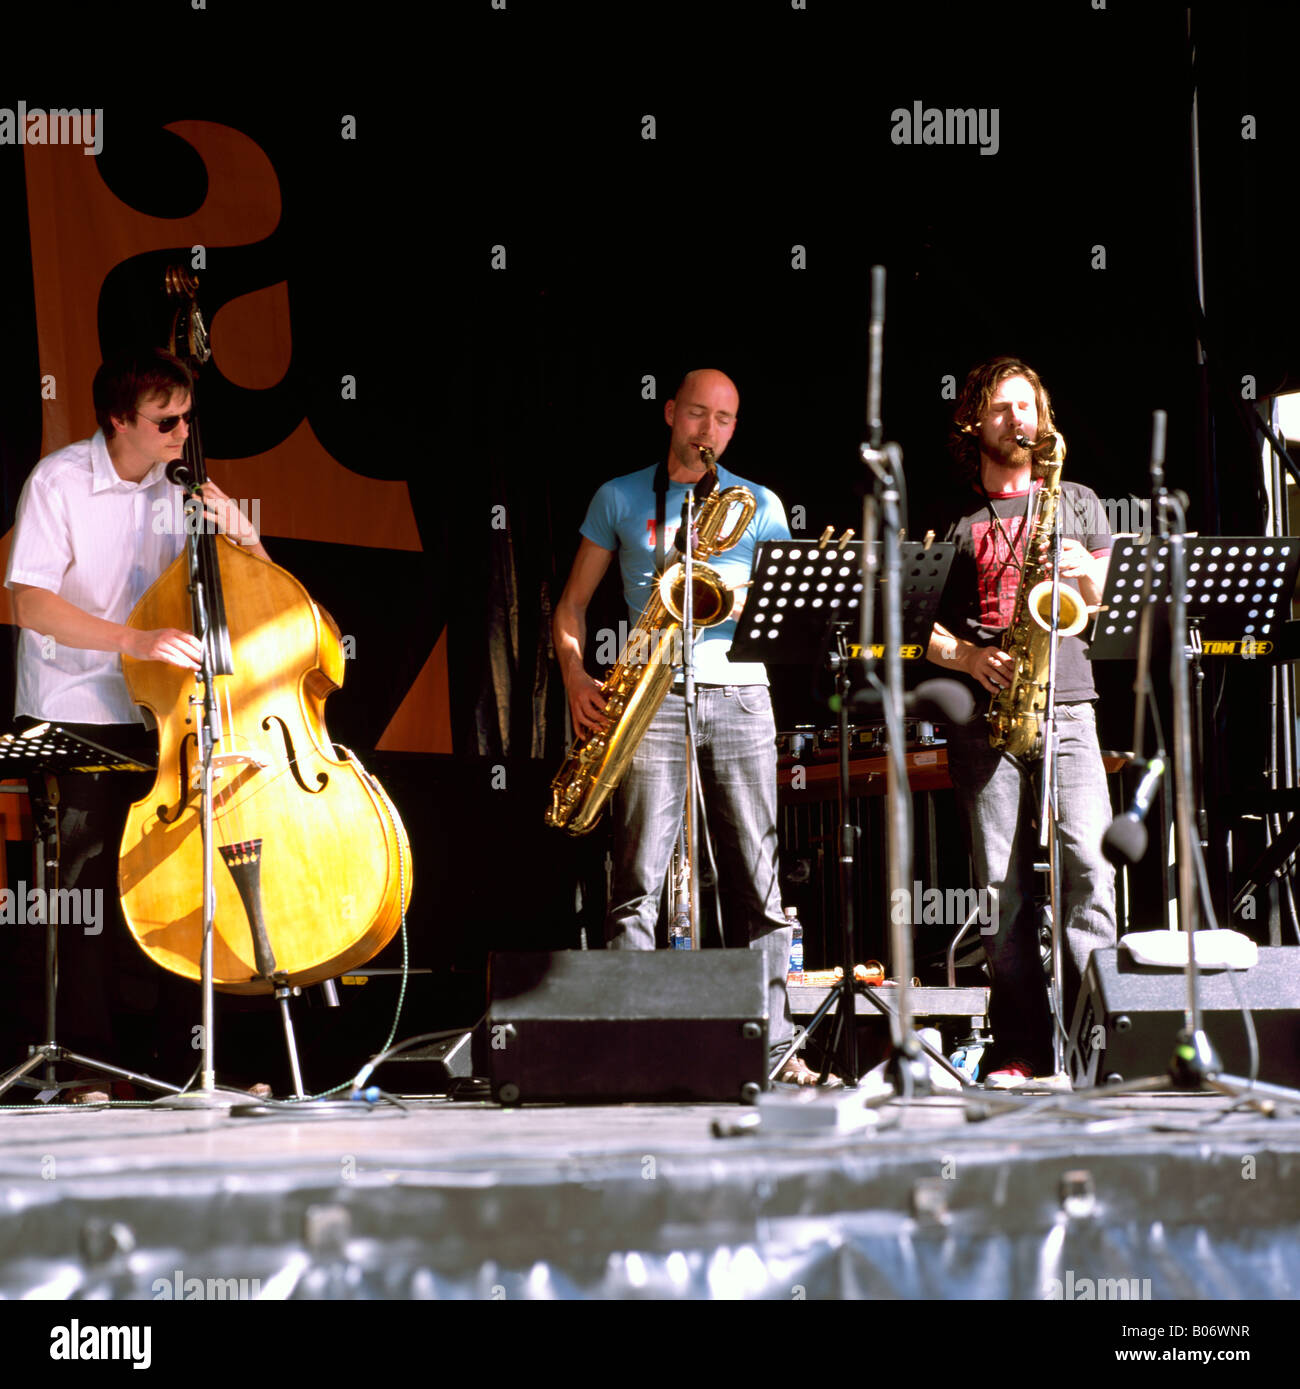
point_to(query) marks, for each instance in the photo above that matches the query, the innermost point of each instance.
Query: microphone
(1157, 467)
(178, 473)
(875, 339)
(934, 701)
(703, 488)
(1126, 839)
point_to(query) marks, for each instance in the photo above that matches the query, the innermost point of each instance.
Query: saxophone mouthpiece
(1047, 441)
(706, 455)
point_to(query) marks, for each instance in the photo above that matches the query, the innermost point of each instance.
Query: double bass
(311, 863)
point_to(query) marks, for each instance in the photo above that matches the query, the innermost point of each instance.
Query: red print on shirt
(999, 575)
(670, 533)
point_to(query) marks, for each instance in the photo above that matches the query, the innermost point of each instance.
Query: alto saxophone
(636, 687)
(1016, 712)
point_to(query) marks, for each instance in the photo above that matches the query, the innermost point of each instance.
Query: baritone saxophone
(1016, 712)
(636, 687)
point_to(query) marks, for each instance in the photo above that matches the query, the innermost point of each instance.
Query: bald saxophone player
(735, 728)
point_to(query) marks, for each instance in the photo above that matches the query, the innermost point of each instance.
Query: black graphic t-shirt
(980, 595)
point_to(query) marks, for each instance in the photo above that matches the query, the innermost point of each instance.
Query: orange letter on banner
(81, 231)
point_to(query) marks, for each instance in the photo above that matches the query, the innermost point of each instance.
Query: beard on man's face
(1008, 453)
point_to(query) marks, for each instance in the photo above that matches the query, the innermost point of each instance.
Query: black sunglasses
(169, 422)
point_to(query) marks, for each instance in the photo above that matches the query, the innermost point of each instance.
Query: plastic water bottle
(795, 975)
(679, 931)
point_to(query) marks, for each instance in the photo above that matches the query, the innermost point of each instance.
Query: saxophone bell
(1073, 616)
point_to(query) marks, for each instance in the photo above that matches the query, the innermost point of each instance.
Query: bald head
(707, 379)
(701, 415)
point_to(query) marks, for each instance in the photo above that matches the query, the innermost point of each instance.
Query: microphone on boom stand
(1126, 839)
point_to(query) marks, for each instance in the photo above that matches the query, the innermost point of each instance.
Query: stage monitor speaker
(437, 1068)
(622, 1025)
(1128, 1017)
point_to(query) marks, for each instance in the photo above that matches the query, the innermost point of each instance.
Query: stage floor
(1146, 1197)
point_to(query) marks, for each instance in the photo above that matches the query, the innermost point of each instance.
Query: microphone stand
(910, 1071)
(688, 693)
(207, 1095)
(694, 797)
(1049, 828)
(1195, 1057)
(1142, 683)
(881, 504)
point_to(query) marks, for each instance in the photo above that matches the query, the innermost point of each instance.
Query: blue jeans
(736, 743)
(1000, 803)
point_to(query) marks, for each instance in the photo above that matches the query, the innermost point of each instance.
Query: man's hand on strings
(230, 520)
(168, 644)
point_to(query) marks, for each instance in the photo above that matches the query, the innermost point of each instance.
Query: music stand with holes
(1239, 591)
(805, 601)
(49, 750)
(802, 588)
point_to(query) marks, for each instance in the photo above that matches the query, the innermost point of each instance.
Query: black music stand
(1237, 590)
(805, 601)
(47, 750)
(802, 588)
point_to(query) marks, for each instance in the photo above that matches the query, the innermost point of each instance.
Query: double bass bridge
(190, 778)
(223, 762)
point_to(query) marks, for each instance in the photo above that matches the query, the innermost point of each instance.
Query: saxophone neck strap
(661, 495)
(702, 489)
(1012, 556)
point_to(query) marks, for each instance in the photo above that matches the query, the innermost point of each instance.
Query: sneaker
(797, 1071)
(1009, 1075)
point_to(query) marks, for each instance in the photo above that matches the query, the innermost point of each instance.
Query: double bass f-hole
(322, 778)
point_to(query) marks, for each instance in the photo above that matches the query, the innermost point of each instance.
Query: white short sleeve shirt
(98, 542)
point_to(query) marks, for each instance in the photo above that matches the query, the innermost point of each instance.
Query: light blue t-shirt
(622, 517)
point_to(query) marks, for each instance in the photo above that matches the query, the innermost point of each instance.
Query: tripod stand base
(1195, 1069)
(908, 1071)
(216, 1098)
(52, 1053)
